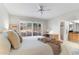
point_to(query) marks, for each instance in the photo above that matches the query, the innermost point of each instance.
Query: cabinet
(73, 36)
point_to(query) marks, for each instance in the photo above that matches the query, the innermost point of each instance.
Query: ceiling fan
(42, 9)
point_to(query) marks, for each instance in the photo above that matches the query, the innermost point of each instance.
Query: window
(36, 29)
(30, 29)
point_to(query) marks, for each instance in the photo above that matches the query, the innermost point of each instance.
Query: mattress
(32, 47)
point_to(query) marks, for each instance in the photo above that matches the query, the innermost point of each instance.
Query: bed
(69, 48)
(31, 46)
(10, 45)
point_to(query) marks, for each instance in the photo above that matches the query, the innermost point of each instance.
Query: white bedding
(69, 48)
(32, 47)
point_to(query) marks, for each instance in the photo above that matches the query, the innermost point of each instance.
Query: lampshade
(50, 32)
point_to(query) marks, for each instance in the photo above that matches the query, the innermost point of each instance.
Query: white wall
(54, 25)
(4, 19)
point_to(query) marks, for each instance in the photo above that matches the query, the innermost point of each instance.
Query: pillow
(4, 43)
(14, 39)
(44, 39)
(19, 36)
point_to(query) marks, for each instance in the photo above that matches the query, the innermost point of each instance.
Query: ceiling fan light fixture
(42, 9)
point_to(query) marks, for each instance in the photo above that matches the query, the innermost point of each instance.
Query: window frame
(41, 30)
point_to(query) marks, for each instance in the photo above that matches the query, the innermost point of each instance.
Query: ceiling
(31, 9)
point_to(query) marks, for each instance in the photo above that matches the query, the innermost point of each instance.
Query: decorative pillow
(19, 36)
(44, 39)
(14, 39)
(4, 43)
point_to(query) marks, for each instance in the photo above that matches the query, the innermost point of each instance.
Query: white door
(66, 30)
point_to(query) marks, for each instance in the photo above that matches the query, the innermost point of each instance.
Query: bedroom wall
(4, 19)
(54, 25)
(17, 19)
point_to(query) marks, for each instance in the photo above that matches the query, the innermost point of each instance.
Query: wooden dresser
(73, 36)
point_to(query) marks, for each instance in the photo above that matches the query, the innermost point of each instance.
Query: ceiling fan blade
(42, 8)
(47, 10)
(39, 5)
(41, 13)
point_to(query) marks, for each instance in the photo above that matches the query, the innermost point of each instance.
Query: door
(64, 30)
